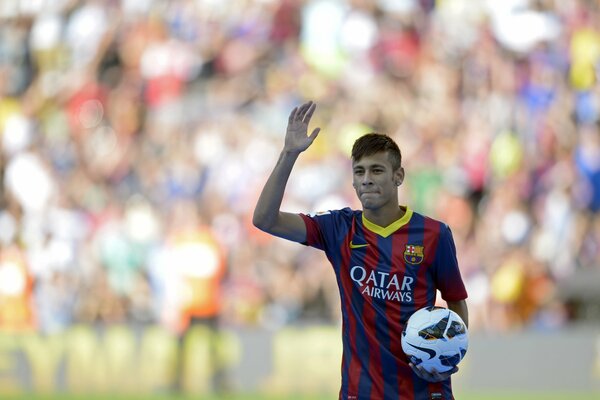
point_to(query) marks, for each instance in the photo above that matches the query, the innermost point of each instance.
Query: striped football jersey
(384, 274)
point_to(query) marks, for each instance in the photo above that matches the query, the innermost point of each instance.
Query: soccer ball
(435, 337)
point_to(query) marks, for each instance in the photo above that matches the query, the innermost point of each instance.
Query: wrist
(290, 153)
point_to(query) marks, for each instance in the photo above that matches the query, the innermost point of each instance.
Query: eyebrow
(370, 166)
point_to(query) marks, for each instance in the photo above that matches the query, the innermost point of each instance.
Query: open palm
(296, 138)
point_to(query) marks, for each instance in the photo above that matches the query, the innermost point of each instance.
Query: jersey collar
(391, 228)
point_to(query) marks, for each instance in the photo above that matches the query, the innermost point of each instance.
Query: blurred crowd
(135, 136)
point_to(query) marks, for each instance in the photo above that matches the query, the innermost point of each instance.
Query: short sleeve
(326, 230)
(314, 235)
(448, 279)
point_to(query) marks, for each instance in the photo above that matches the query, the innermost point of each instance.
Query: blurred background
(135, 136)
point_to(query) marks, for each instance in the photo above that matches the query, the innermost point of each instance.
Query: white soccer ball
(435, 337)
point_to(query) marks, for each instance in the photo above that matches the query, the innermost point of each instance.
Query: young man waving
(389, 262)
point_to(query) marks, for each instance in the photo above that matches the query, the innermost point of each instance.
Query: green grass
(526, 396)
(459, 396)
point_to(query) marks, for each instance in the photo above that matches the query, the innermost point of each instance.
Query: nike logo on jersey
(357, 246)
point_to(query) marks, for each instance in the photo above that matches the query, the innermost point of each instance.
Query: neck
(384, 216)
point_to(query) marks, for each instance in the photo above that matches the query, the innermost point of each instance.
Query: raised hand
(296, 139)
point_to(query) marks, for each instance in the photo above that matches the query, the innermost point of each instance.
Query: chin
(369, 205)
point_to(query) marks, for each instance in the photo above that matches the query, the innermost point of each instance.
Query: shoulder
(432, 224)
(346, 212)
(340, 217)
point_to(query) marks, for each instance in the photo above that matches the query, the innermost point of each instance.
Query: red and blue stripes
(379, 290)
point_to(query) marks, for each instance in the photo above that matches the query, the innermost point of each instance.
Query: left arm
(450, 284)
(460, 307)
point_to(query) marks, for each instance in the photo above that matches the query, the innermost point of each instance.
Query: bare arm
(267, 214)
(460, 307)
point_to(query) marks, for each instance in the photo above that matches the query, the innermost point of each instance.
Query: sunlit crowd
(136, 135)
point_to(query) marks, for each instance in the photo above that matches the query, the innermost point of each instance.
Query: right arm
(267, 215)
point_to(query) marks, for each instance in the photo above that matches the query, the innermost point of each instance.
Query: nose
(366, 179)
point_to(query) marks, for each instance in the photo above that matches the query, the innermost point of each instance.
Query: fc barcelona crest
(414, 254)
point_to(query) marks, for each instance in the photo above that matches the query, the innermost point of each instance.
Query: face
(375, 181)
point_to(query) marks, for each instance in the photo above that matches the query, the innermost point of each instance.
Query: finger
(303, 108)
(442, 376)
(310, 112)
(435, 376)
(314, 134)
(300, 112)
(293, 115)
(428, 375)
(447, 374)
(418, 370)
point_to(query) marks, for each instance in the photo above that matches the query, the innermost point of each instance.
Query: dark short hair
(373, 143)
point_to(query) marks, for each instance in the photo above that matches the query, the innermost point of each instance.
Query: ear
(399, 176)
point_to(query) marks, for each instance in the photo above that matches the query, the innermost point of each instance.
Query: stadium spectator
(113, 113)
